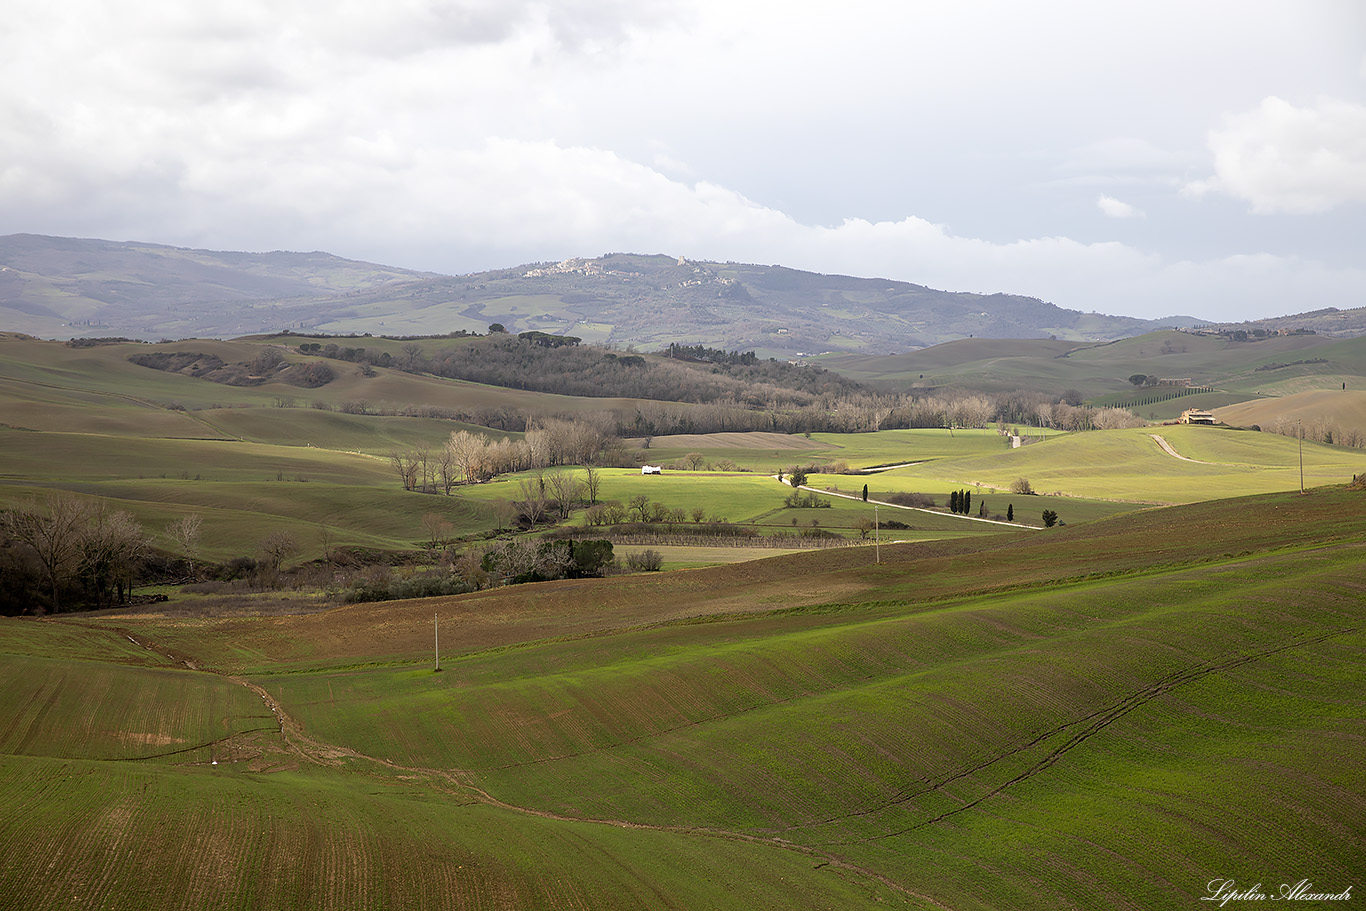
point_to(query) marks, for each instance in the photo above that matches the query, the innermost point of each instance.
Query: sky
(1145, 158)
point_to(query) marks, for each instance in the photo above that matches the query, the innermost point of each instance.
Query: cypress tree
(865, 493)
(953, 501)
(966, 502)
(1010, 513)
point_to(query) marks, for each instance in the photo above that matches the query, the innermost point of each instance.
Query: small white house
(652, 469)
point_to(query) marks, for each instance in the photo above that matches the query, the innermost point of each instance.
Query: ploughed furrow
(1077, 732)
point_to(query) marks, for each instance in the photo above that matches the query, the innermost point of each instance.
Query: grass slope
(1097, 370)
(1103, 716)
(1130, 465)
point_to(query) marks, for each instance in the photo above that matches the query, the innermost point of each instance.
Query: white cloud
(1115, 208)
(1283, 158)
(458, 135)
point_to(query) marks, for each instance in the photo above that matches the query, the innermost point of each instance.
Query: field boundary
(933, 512)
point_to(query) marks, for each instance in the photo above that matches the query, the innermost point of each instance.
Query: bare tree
(326, 536)
(565, 490)
(266, 361)
(640, 505)
(423, 456)
(112, 545)
(184, 534)
(447, 470)
(533, 501)
(54, 537)
(592, 483)
(411, 357)
(438, 529)
(469, 453)
(405, 466)
(470, 568)
(276, 548)
(694, 460)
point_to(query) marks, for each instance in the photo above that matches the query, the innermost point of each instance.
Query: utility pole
(1300, 425)
(436, 642)
(877, 536)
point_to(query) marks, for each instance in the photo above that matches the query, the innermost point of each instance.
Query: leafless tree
(438, 529)
(405, 466)
(112, 546)
(266, 361)
(533, 501)
(276, 548)
(422, 455)
(468, 453)
(54, 535)
(326, 536)
(184, 534)
(592, 483)
(447, 470)
(565, 490)
(470, 568)
(640, 505)
(411, 356)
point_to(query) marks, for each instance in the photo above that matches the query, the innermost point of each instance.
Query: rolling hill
(65, 287)
(1261, 367)
(1109, 715)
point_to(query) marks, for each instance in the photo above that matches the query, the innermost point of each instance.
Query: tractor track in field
(1092, 724)
(319, 752)
(459, 783)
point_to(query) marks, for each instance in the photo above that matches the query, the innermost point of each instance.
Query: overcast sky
(1147, 158)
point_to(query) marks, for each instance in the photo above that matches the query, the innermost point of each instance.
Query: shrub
(1022, 486)
(645, 561)
(919, 500)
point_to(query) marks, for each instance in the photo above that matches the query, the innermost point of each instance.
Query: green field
(1103, 715)
(1287, 364)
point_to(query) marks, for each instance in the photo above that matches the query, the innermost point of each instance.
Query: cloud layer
(1023, 151)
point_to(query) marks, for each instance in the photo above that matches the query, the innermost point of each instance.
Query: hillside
(1270, 366)
(1339, 412)
(60, 287)
(64, 287)
(1107, 715)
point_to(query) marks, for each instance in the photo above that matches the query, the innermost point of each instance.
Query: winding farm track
(1167, 448)
(1076, 731)
(319, 752)
(1090, 725)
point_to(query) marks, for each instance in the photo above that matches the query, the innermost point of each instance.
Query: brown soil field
(925, 573)
(1334, 407)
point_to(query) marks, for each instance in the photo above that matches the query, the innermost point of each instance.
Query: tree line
(69, 550)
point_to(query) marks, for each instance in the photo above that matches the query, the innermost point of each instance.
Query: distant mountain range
(56, 287)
